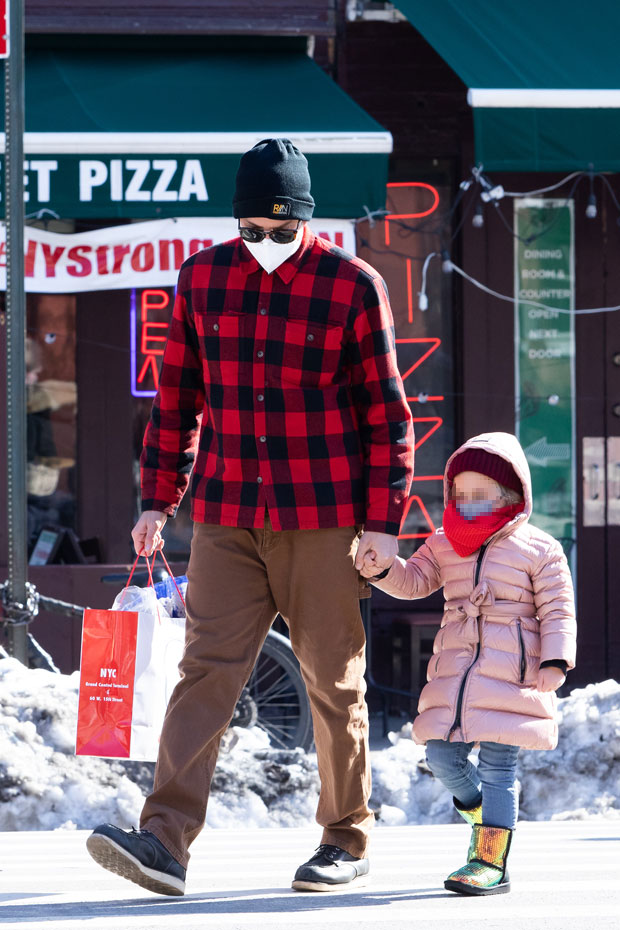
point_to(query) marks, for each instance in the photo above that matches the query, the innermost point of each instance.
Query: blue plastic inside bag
(166, 590)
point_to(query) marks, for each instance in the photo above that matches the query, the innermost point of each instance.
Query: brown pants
(238, 580)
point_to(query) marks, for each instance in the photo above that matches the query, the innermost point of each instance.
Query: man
(279, 388)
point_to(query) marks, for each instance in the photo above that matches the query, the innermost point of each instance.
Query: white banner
(136, 255)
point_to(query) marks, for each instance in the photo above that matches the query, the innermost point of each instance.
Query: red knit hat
(493, 466)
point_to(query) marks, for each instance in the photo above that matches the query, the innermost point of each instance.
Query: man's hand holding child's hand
(375, 553)
(550, 678)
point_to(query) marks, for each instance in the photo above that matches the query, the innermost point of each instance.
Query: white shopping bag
(128, 670)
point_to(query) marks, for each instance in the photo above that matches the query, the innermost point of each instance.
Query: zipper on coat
(483, 549)
(522, 650)
(459, 703)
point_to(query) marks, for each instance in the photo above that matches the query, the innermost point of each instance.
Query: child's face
(475, 494)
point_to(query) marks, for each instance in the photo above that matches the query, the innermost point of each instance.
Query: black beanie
(273, 180)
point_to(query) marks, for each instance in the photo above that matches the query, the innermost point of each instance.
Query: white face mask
(270, 255)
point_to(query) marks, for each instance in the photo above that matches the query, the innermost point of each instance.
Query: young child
(506, 641)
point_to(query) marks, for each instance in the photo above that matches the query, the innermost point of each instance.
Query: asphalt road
(565, 876)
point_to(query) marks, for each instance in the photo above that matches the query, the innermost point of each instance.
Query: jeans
(494, 778)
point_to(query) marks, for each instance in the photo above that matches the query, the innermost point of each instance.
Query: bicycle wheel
(278, 690)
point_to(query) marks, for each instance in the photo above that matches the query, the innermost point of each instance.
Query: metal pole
(16, 594)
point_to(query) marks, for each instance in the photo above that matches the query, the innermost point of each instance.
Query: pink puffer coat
(509, 607)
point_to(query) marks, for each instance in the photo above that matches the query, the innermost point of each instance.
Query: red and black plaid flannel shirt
(280, 390)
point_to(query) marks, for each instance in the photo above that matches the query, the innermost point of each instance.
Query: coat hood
(507, 447)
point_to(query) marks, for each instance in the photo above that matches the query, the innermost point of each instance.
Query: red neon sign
(436, 421)
(431, 424)
(148, 338)
(435, 343)
(152, 333)
(427, 517)
(411, 216)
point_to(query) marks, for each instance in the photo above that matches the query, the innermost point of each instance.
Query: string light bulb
(493, 193)
(446, 262)
(422, 298)
(591, 210)
(477, 220)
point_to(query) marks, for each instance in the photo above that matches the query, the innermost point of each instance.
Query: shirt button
(260, 353)
(261, 397)
(216, 326)
(263, 312)
(310, 337)
(263, 439)
(259, 480)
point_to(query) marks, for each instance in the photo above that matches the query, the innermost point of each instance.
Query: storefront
(526, 132)
(129, 169)
(156, 139)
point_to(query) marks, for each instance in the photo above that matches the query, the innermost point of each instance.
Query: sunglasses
(280, 236)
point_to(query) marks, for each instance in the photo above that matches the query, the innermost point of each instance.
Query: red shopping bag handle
(149, 566)
(150, 584)
(133, 568)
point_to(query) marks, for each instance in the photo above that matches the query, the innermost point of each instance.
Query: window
(397, 246)
(51, 412)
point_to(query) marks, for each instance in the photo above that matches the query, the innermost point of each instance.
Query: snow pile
(581, 778)
(44, 786)
(403, 789)
(578, 780)
(256, 785)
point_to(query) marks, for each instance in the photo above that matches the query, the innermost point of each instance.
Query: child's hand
(375, 553)
(369, 565)
(550, 678)
(370, 568)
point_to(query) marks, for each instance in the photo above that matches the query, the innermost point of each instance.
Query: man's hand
(375, 553)
(550, 678)
(146, 534)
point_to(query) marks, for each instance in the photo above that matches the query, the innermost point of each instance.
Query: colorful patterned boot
(470, 815)
(485, 872)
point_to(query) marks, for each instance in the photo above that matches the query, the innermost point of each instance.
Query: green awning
(544, 80)
(145, 133)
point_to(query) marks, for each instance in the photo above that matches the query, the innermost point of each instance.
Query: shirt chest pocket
(221, 335)
(310, 353)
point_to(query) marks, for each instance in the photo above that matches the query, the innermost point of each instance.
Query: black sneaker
(328, 869)
(139, 856)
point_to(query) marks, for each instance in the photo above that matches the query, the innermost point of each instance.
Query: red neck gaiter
(466, 536)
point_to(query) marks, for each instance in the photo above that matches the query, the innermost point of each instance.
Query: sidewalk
(565, 876)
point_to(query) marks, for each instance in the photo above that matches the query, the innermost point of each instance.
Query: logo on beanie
(281, 209)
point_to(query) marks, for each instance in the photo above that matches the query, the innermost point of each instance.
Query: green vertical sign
(545, 356)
